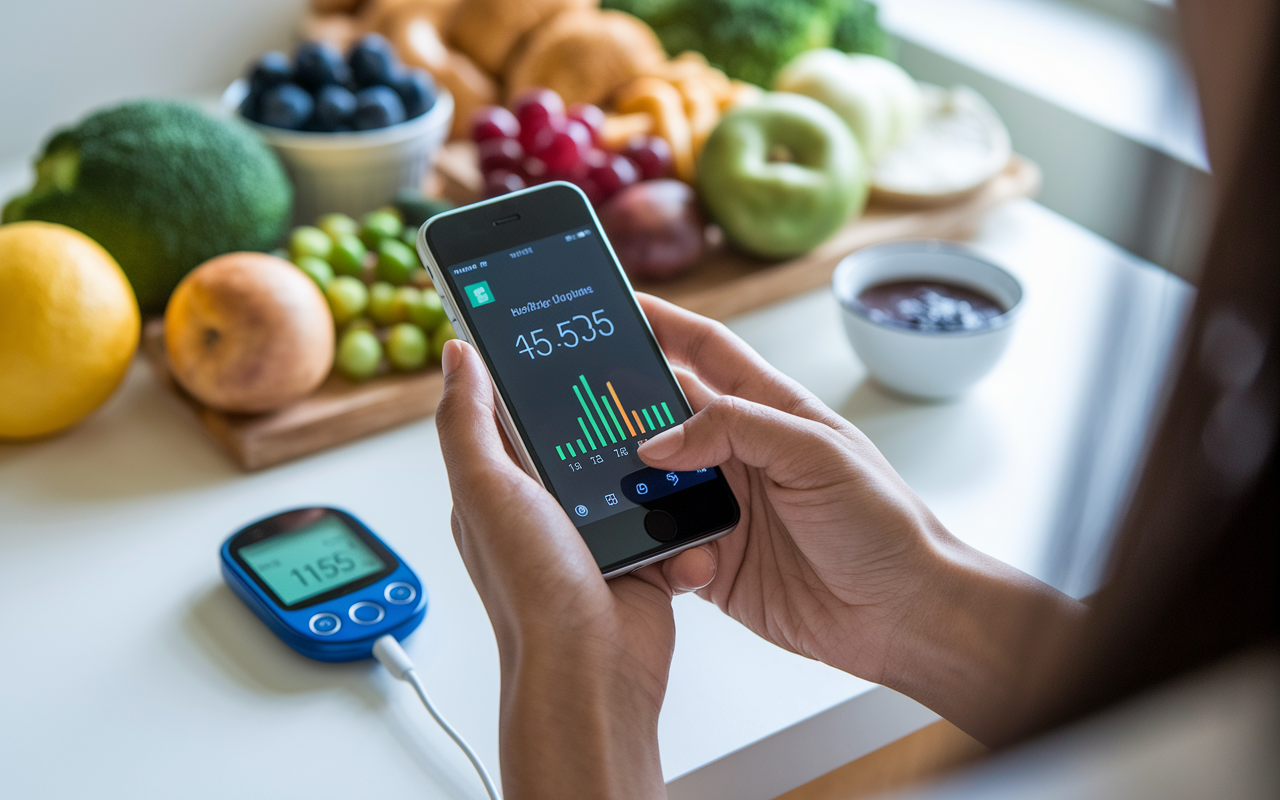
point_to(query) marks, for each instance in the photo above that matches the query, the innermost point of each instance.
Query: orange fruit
(69, 327)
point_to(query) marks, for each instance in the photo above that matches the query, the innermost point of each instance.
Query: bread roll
(487, 30)
(584, 55)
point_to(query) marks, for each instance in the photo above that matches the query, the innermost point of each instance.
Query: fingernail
(665, 444)
(450, 357)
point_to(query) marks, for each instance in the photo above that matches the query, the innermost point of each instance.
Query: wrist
(968, 631)
(579, 718)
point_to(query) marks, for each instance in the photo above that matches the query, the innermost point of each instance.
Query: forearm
(967, 643)
(574, 725)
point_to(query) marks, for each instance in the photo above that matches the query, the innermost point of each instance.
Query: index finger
(724, 362)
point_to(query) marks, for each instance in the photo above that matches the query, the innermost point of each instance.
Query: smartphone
(531, 281)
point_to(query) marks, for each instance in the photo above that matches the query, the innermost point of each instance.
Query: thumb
(793, 451)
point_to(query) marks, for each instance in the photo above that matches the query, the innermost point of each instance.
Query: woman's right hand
(835, 557)
(832, 542)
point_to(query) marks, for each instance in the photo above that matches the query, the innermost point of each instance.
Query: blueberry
(334, 107)
(377, 107)
(317, 64)
(271, 69)
(373, 61)
(417, 90)
(249, 106)
(285, 106)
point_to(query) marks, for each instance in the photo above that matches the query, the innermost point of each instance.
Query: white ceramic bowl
(353, 172)
(930, 365)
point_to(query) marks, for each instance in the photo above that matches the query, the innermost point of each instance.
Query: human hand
(832, 545)
(584, 662)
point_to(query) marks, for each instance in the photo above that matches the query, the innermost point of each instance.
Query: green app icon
(479, 293)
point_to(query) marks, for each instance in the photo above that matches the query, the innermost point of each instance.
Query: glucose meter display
(310, 561)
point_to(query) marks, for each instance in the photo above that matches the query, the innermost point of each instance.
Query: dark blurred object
(377, 107)
(335, 106)
(374, 61)
(1195, 574)
(287, 105)
(417, 91)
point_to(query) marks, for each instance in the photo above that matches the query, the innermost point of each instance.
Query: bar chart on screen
(606, 421)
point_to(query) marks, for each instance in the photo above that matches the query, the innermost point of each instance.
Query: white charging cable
(392, 656)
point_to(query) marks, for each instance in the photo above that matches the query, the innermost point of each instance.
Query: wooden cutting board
(726, 284)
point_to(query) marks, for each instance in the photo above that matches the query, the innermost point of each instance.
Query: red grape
(618, 172)
(537, 109)
(493, 122)
(565, 152)
(534, 170)
(501, 181)
(588, 115)
(500, 154)
(652, 154)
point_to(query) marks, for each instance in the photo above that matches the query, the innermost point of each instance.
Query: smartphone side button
(660, 525)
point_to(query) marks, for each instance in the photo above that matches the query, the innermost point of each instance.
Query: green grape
(409, 236)
(348, 255)
(406, 297)
(395, 261)
(380, 225)
(428, 312)
(308, 241)
(347, 298)
(381, 307)
(360, 324)
(358, 355)
(442, 334)
(407, 347)
(317, 269)
(338, 225)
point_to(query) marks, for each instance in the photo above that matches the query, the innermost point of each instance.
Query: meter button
(399, 593)
(325, 624)
(366, 613)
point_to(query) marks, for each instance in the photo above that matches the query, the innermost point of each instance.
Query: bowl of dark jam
(928, 318)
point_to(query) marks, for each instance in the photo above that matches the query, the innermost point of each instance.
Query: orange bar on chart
(618, 402)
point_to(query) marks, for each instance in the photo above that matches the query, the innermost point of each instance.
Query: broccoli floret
(162, 186)
(752, 39)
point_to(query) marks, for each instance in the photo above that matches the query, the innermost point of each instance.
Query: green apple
(781, 174)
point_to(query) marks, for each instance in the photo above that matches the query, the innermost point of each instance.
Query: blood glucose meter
(323, 582)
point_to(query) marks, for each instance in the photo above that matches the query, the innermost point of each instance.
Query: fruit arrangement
(322, 91)
(387, 314)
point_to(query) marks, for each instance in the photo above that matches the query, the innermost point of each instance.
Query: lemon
(69, 326)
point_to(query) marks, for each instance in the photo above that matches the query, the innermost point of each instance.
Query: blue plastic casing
(352, 639)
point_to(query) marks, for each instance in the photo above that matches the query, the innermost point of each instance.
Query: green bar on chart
(670, 419)
(587, 434)
(571, 453)
(603, 421)
(592, 419)
(582, 447)
(621, 436)
(561, 452)
(658, 416)
(645, 412)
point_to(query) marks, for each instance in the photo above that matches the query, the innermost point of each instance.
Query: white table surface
(128, 669)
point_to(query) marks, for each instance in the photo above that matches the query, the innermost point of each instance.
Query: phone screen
(578, 367)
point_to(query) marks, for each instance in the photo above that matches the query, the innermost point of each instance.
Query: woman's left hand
(584, 661)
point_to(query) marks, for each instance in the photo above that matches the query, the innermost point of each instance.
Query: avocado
(163, 187)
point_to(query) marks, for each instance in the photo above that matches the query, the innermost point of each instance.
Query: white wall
(61, 58)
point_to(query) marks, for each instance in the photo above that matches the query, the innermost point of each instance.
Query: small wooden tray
(727, 283)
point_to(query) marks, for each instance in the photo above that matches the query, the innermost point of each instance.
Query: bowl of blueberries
(928, 318)
(351, 129)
